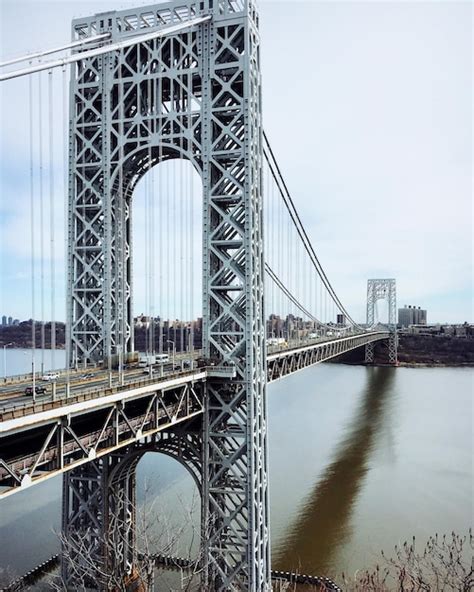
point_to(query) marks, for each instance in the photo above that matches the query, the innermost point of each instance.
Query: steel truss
(284, 363)
(383, 289)
(99, 546)
(194, 95)
(60, 435)
(67, 437)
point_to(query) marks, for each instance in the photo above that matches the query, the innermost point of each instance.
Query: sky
(368, 106)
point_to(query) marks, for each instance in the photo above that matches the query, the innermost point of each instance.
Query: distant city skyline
(138, 319)
(376, 147)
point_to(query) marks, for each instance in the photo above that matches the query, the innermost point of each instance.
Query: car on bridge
(87, 375)
(39, 390)
(203, 362)
(50, 376)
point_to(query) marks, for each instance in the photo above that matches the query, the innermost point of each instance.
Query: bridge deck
(41, 439)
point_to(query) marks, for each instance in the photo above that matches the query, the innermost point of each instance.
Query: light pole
(33, 369)
(174, 349)
(33, 373)
(5, 360)
(120, 368)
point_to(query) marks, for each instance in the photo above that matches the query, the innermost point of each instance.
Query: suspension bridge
(166, 100)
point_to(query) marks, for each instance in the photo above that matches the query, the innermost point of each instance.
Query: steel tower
(193, 94)
(382, 289)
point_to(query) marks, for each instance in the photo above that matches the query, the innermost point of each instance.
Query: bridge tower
(193, 94)
(382, 289)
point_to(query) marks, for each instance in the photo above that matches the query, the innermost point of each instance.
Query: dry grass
(443, 564)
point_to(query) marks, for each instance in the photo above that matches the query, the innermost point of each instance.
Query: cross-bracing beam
(61, 62)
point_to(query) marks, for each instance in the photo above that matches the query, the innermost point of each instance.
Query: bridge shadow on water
(324, 520)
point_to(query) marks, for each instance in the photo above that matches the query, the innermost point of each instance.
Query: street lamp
(33, 372)
(120, 366)
(174, 349)
(5, 359)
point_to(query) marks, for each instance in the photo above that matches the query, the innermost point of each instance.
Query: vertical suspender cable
(159, 109)
(151, 261)
(266, 245)
(321, 289)
(191, 215)
(290, 260)
(181, 215)
(119, 256)
(326, 315)
(41, 200)
(297, 291)
(176, 241)
(151, 258)
(148, 268)
(32, 232)
(269, 243)
(268, 204)
(189, 286)
(145, 222)
(168, 252)
(66, 223)
(271, 236)
(276, 246)
(280, 257)
(51, 220)
(310, 288)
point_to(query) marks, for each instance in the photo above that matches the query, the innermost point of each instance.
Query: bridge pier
(99, 528)
(369, 353)
(98, 525)
(392, 347)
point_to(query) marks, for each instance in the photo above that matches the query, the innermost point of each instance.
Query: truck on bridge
(146, 360)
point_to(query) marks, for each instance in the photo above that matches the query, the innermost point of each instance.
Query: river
(361, 459)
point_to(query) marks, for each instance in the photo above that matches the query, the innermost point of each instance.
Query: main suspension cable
(270, 157)
(285, 290)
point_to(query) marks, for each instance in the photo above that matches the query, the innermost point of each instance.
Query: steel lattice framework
(193, 95)
(382, 289)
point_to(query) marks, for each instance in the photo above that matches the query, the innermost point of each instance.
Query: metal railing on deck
(99, 392)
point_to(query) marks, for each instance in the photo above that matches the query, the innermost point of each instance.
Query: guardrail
(29, 376)
(97, 393)
(221, 371)
(296, 343)
(196, 353)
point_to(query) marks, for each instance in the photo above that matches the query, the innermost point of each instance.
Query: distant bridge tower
(193, 94)
(382, 289)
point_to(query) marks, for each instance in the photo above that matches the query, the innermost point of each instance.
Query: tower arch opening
(164, 233)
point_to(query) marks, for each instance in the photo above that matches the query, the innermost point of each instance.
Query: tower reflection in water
(324, 521)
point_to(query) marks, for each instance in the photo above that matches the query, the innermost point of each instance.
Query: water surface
(360, 460)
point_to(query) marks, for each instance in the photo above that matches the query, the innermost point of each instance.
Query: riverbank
(435, 365)
(430, 351)
(421, 351)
